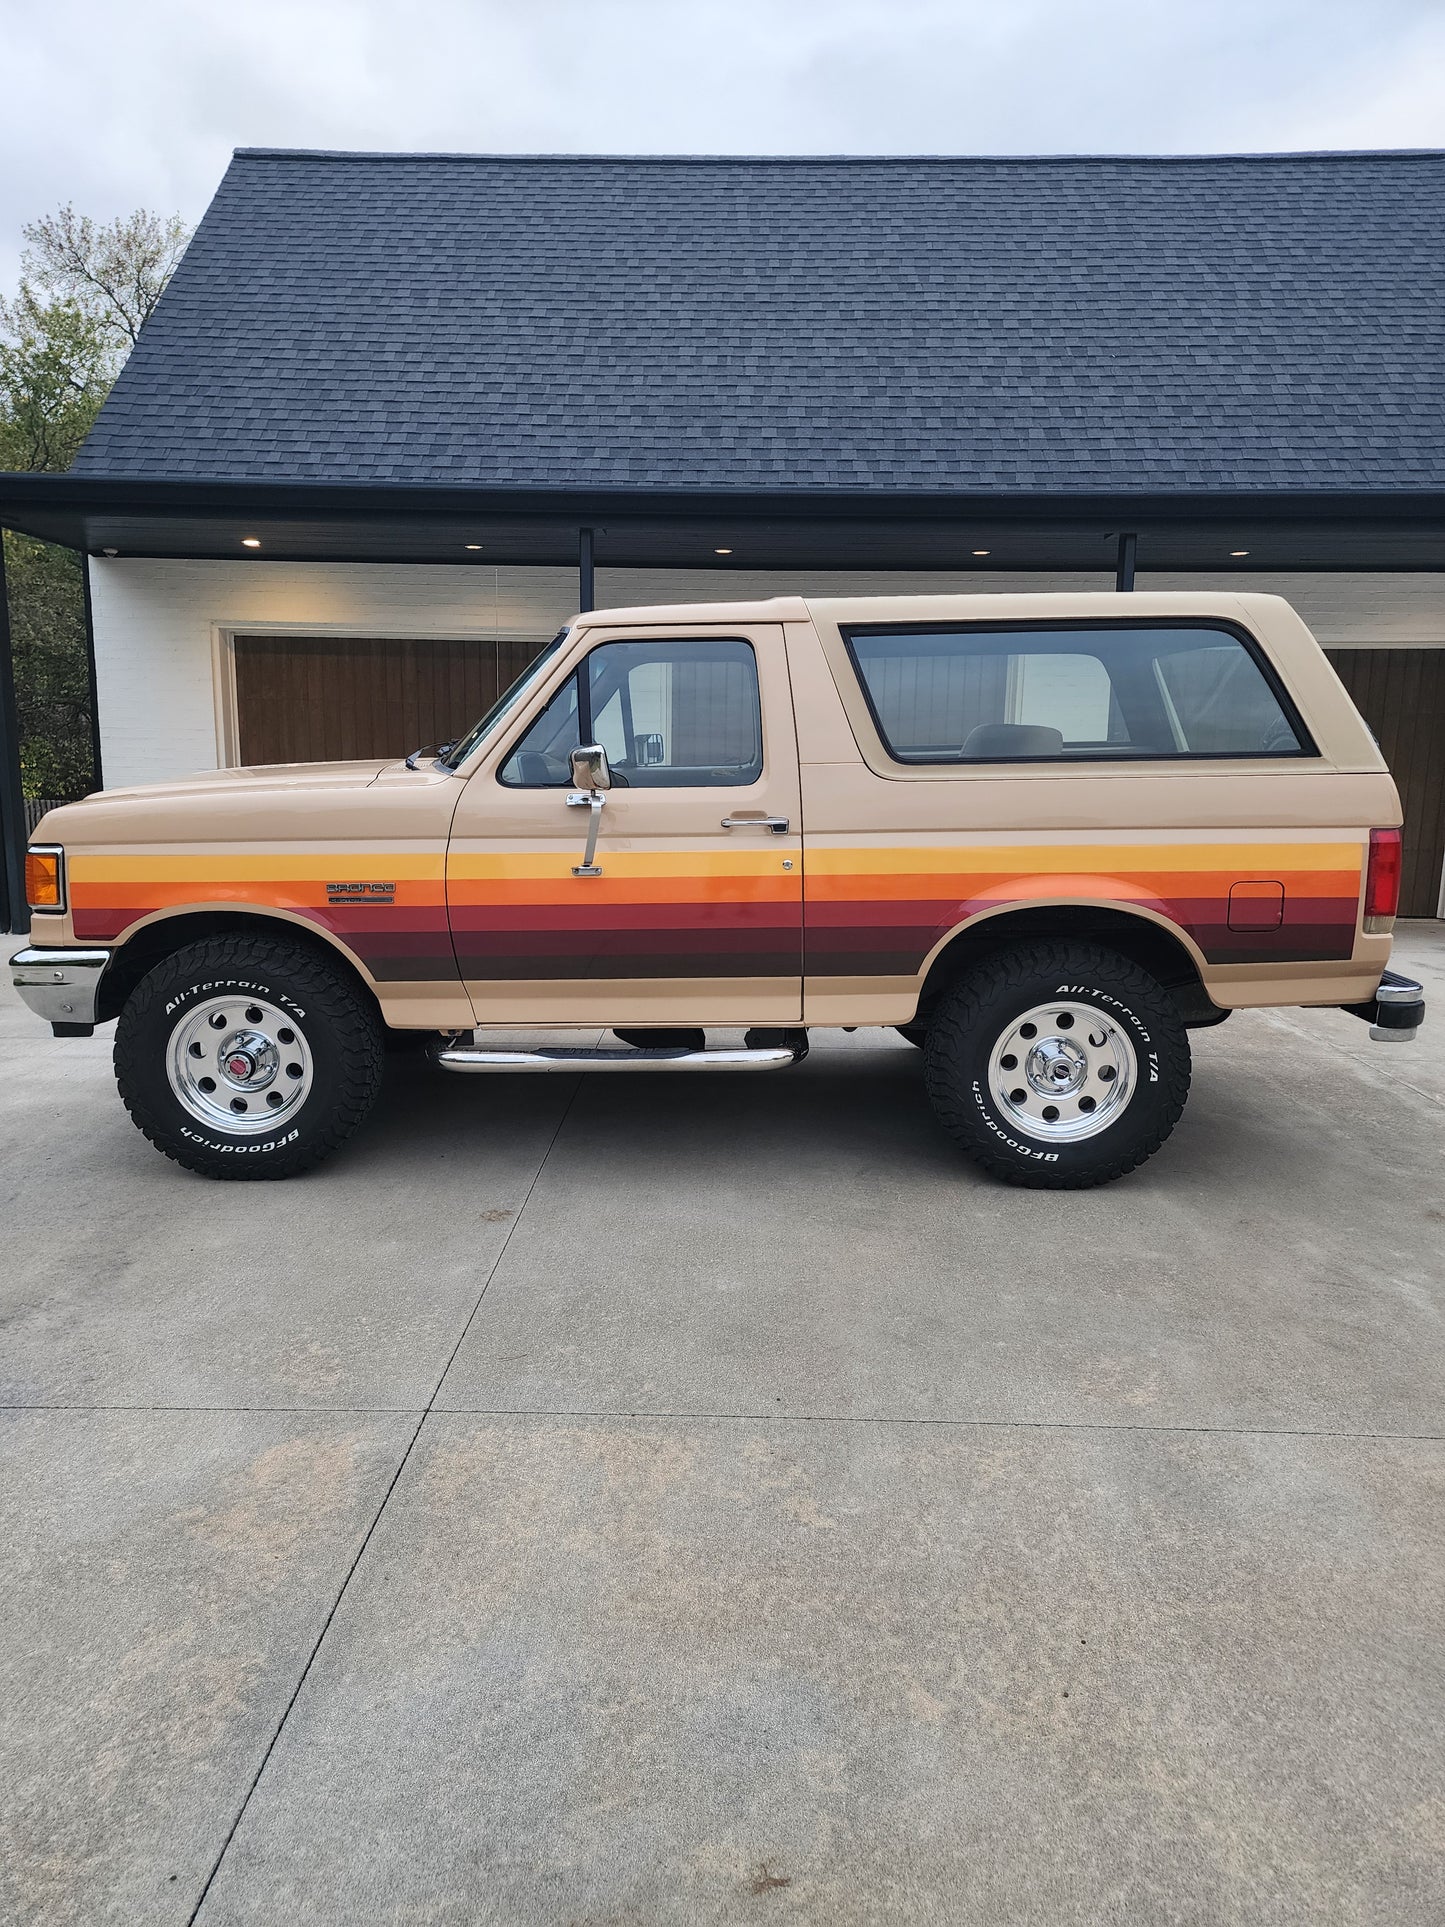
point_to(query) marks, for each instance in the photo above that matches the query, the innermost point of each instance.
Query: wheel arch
(153, 938)
(1142, 935)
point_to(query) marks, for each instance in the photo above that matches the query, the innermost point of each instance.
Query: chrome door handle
(777, 824)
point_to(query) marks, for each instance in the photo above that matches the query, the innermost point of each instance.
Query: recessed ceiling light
(474, 545)
(722, 551)
(980, 551)
(1239, 551)
(250, 541)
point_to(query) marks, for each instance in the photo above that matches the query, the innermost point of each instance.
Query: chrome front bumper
(60, 985)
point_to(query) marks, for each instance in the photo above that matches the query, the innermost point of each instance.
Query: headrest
(1013, 739)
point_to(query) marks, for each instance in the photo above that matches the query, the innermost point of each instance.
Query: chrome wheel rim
(1062, 1072)
(240, 1065)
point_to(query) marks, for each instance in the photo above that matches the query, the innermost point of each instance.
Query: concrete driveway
(709, 1500)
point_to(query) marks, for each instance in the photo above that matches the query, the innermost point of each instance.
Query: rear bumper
(1395, 1012)
(60, 985)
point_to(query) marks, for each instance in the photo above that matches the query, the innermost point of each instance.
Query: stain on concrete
(763, 1880)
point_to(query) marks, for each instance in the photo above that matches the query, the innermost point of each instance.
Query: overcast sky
(139, 102)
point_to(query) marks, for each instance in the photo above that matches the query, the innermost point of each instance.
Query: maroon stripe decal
(420, 969)
(489, 967)
(631, 943)
(94, 923)
(417, 951)
(894, 939)
(478, 919)
(346, 918)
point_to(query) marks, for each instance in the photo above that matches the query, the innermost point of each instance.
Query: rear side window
(1071, 692)
(671, 715)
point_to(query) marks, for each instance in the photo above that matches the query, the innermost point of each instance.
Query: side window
(1078, 691)
(1220, 705)
(541, 758)
(670, 714)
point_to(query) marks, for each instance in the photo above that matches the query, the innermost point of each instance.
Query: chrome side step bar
(475, 1057)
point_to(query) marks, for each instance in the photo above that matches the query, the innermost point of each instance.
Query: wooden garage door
(312, 699)
(1401, 695)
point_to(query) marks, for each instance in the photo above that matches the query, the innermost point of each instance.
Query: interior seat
(1013, 739)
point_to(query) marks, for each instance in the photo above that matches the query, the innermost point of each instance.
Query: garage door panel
(302, 699)
(1401, 695)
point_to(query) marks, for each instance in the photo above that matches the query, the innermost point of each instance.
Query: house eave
(1188, 528)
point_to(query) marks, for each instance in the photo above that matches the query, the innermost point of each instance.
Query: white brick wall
(157, 622)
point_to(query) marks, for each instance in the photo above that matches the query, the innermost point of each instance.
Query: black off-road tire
(969, 1023)
(915, 1034)
(343, 1044)
(408, 1043)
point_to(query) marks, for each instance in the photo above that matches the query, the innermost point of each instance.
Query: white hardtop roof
(1040, 604)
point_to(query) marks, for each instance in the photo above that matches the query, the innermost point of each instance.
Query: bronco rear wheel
(1058, 1065)
(248, 1057)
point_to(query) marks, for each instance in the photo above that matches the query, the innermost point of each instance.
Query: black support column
(15, 910)
(97, 780)
(586, 597)
(1124, 569)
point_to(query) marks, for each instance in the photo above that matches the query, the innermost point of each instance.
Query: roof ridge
(843, 160)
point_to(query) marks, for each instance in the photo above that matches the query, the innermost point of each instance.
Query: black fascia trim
(80, 500)
(419, 558)
(191, 499)
(1023, 625)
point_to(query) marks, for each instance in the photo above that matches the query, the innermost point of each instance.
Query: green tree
(86, 290)
(115, 273)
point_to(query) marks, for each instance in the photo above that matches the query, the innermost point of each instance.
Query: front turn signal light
(1382, 881)
(45, 877)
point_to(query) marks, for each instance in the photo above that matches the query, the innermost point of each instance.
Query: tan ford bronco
(1042, 836)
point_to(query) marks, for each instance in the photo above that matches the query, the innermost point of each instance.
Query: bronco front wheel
(1058, 1065)
(247, 1058)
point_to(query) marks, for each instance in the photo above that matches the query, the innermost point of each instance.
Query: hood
(267, 802)
(235, 783)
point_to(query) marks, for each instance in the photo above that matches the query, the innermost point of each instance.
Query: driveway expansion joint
(961, 1424)
(376, 1518)
(423, 1412)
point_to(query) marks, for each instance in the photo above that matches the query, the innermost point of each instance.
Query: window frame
(1085, 625)
(584, 711)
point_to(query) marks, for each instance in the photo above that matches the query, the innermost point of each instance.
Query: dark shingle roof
(1232, 323)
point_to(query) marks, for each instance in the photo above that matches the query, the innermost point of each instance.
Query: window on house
(1077, 691)
(670, 714)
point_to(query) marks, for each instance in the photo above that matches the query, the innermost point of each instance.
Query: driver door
(691, 912)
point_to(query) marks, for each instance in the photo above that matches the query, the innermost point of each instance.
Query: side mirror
(589, 767)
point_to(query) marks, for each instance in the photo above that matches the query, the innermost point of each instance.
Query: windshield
(459, 751)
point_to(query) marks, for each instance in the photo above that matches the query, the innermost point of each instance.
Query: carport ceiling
(786, 529)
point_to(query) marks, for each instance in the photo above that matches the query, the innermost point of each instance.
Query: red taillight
(1382, 878)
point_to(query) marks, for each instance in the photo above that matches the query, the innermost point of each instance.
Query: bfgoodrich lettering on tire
(1058, 1065)
(247, 1057)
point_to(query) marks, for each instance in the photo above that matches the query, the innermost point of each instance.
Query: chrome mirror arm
(589, 768)
(593, 800)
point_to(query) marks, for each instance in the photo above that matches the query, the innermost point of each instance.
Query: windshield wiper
(427, 749)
